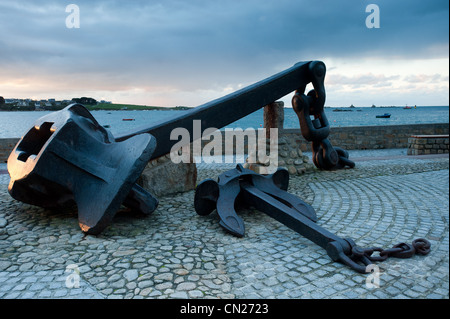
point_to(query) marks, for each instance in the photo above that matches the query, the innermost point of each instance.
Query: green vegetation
(111, 107)
(85, 100)
(55, 106)
(15, 107)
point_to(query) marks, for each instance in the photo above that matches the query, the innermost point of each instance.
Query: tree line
(51, 106)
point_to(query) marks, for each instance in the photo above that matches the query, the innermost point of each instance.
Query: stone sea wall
(428, 144)
(370, 137)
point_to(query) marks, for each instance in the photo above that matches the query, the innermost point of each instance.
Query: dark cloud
(200, 43)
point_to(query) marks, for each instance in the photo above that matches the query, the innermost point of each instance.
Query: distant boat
(127, 119)
(384, 116)
(407, 107)
(342, 110)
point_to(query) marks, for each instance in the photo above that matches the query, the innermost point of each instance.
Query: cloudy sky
(187, 52)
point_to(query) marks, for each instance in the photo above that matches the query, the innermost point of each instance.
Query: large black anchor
(241, 187)
(68, 159)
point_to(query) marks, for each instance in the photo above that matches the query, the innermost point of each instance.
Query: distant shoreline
(133, 107)
(101, 107)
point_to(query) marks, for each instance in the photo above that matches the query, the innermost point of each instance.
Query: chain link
(422, 246)
(324, 155)
(419, 246)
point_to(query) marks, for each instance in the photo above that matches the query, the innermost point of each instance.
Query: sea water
(16, 124)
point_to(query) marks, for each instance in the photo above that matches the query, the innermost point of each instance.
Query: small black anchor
(268, 194)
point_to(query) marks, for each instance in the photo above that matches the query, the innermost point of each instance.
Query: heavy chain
(419, 246)
(346, 251)
(324, 156)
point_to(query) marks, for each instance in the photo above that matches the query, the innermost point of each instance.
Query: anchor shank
(228, 109)
(287, 216)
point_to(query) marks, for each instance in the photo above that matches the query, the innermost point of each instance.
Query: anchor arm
(210, 195)
(225, 208)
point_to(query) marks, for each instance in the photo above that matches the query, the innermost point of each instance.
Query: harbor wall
(371, 137)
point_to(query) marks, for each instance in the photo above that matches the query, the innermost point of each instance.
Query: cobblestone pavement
(174, 253)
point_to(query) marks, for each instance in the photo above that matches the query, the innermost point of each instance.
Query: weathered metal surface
(268, 194)
(67, 158)
(230, 108)
(223, 195)
(316, 130)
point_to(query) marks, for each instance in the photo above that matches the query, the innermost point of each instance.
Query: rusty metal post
(273, 116)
